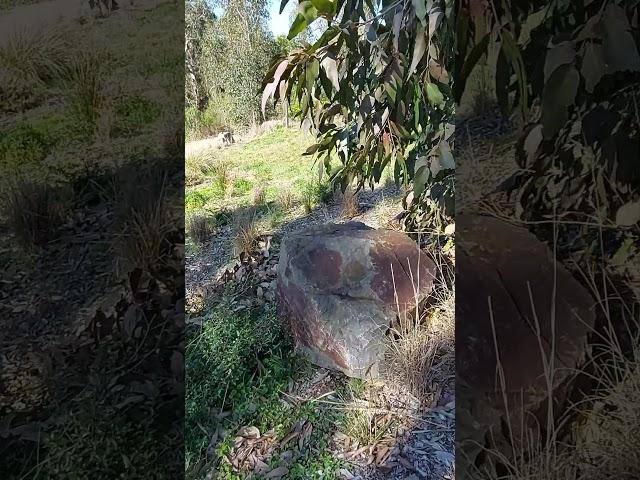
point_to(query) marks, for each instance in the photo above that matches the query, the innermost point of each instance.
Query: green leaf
(372, 35)
(561, 54)
(435, 97)
(559, 92)
(435, 17)
(593, 66)
(312, 149)
(298, 25)
(325, 7)
(621, 52)
(307, 14)
(419, 48)
(312, 72)
(532, 143)
(503, 78)
(628, 214)
(330, 66)
(420, 7)
(446, 157)
(283, 4)
(514, 55)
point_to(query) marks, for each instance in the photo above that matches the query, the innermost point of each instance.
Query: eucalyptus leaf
(628, 214)
(419, 48)
(559, 93)
(434, 95)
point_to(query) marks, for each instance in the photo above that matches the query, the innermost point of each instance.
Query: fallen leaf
(277, 472)
(249, 432)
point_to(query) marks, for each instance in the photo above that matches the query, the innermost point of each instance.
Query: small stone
(259, 292)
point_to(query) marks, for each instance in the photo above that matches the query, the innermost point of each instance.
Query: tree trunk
(285, 105)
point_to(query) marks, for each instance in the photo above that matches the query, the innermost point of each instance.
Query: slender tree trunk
(285, 105)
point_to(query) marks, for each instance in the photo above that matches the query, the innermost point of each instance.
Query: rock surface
(510, 269)
(340, 287)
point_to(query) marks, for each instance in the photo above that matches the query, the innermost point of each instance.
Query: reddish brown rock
(505, 281)
(340, 287)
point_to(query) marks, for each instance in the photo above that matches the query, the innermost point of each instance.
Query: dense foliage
(226, 57)
(573, 70)
(376, 89)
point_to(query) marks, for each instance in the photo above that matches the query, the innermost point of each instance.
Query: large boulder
(341, 286)
(510, 291)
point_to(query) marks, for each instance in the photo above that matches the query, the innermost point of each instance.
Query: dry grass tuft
(421, 351)
(245, 232)
(142, 218)
(286, 200)
(605, 433)
(483, 98)
(85, 84)
(199, 228)
(349, 202)
(259, 196)
(222, 175)
(608, 435)
(34, 210)
(35, 55)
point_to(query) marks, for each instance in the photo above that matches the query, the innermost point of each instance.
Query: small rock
(260, 292)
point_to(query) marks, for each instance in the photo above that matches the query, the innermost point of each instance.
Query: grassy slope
(272, 162)
(57, 136)
(269, 172)
(52, 141)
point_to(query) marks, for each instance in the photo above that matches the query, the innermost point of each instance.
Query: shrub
(142, 217)
(23, 144)
(84, 82)
(133, 113)
(199, 228)
(34, 210)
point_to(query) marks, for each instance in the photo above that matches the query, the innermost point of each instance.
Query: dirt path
(198, 147)
(56, 13)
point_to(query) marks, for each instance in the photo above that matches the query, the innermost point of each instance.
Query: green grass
(273, 162)
(242, 361)
(134, 113)
(140, 62)
(77, 90)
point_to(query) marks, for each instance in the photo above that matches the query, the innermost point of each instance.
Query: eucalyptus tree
(376, 89)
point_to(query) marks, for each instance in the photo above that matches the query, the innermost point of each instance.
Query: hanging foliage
(580, 146)
(376, 89)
